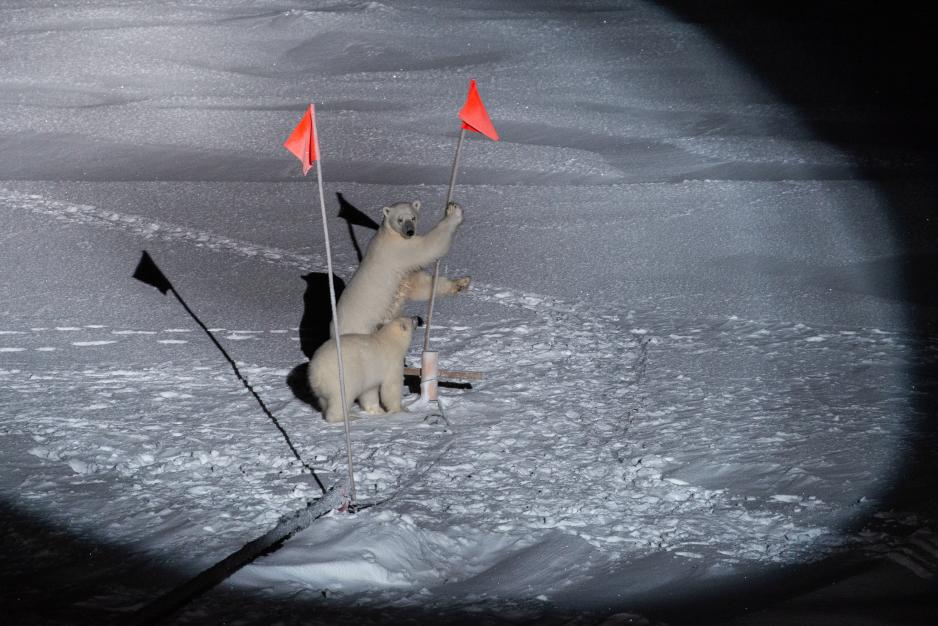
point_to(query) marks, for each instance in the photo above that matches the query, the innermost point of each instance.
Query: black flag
(354, 215)
(149, 273)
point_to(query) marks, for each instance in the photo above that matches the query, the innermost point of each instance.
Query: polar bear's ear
(416, 205)
(386, 210)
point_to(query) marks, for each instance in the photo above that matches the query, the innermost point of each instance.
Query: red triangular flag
(302, 141)
(474, 116)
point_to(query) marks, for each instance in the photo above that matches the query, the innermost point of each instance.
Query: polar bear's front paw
(461, 284)
(455, 211)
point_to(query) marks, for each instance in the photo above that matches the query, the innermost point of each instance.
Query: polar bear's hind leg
(370, 402)
(391, 392)
(331, 409)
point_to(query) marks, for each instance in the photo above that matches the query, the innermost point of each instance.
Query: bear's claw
(454, 210)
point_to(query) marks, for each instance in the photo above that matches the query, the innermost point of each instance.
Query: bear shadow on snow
(314, 329)
(317, 311)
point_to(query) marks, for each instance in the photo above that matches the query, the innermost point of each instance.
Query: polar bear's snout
(409, 228)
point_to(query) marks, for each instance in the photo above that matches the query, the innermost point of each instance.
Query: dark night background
(862, 74)
(877, 60)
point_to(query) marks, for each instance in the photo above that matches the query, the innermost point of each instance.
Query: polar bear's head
(401, 217)
(399, 330)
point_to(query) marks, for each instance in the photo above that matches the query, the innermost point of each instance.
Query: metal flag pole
(429, 365)
(436, 268)
(474, 117)
(335, 315)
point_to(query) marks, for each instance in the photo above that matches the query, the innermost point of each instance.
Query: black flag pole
(148, 272)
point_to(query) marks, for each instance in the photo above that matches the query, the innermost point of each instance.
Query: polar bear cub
(374, 369)
(389, 274)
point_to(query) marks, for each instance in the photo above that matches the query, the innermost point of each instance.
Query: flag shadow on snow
(354, 216)
(149, 273)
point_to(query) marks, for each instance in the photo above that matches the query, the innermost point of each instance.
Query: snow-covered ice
(700, 363)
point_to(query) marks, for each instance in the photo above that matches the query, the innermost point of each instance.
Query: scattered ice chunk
(44, 453)
(82, 467)
(172, 394)
(689, 555)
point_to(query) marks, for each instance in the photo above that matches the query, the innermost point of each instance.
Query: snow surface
(697, 361)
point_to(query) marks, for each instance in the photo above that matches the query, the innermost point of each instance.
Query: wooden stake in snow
(475, 118)
(429, 371)
(303, 142)
(461, 374)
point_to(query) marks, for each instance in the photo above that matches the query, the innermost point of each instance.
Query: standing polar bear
(390, 275)
(374, 370)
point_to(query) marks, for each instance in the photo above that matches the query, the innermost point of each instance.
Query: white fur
(374, 370)
(388, 275)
